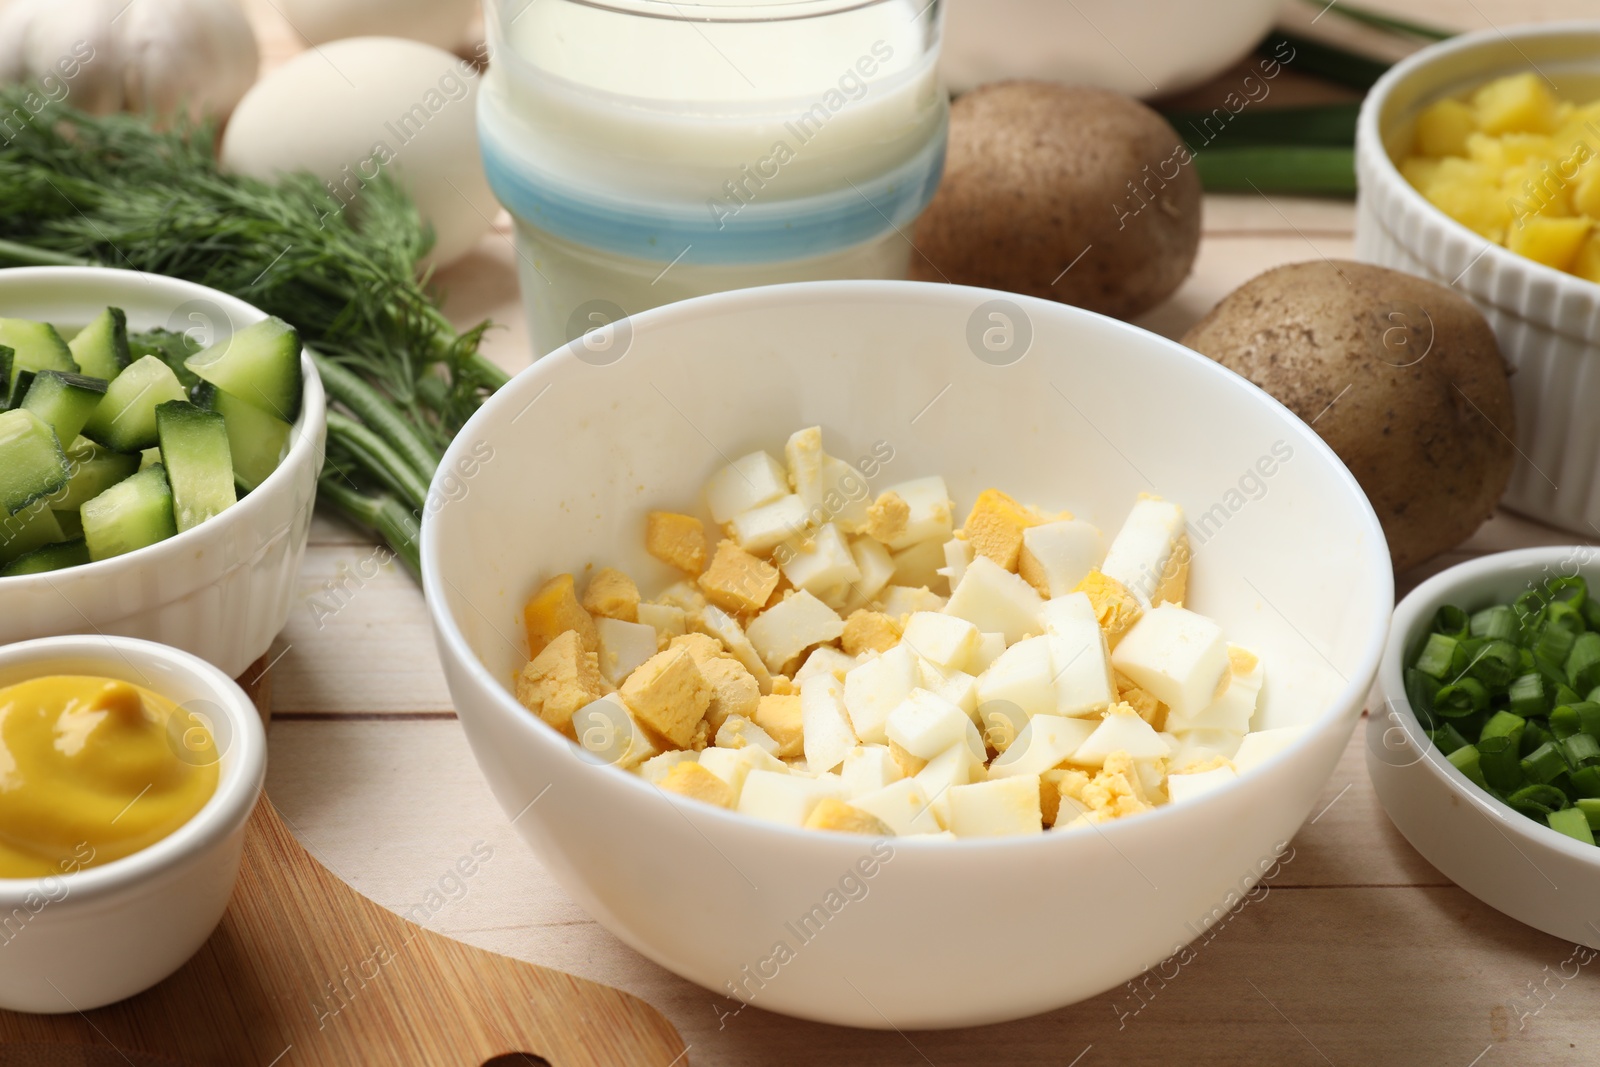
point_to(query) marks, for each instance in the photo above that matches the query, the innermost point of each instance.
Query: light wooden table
(1360, 953)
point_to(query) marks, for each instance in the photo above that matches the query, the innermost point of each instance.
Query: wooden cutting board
(306, 972)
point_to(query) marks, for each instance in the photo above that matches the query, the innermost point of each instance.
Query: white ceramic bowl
(1152, 48)
(103, 934)
(221, 590)
(1060, 407)
(1547, 321)
(1505, 859)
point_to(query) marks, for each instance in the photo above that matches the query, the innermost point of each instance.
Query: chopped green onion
(1420, 691)
(1544, 764)
(1554, 645)
(1438, 657)
(1580, 750)
(1572, 822)
(1560, 614)
(1498, 623)
(1496, 663)
(1565, 694)
(1451, 621)
(1504, 724)
(1461, 699)
(1574, 583)
(1497, 757)
(1564, 721)
(1448, 738)
(1527, 695)
(1590, 806)
(1534, 735)
(1591, 613)
(1583, 662)
(1586, 782)
(1537, 801)
(1466, 760)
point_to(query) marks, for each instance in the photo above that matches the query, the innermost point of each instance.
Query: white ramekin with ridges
(1547, 321)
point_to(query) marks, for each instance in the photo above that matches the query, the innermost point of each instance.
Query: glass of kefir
(650, 151)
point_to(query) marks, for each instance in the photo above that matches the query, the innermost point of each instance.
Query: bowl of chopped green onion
(1483, 739)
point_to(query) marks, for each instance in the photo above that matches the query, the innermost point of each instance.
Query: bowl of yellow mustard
(1478, 164)
(128, 771)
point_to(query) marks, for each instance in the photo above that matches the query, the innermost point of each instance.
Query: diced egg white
(791, 626)
(761, 529)
(987, 651)
(869, 768)
(1176, 655)
(876, 567)
(655, 768)
(876, 687)
(1067, 609)
(623, 646)
(1082, 667)
(956, 686)
(1259, 747)
(996, 808)
(820, 560)
(666, 619)
(931, 511)
(785, 798)
(919, 564)
(1024, 676)
(715, 622)
(903, 805)
(748, 482)
(828, 736)
(1232, 709)
(1121, 733)
(824, 660)
(737, 731)
(925, 725)
(1182, 787)
(957, 557)
(898, 600)
(954, 766)
(1203, 746)
(1142, 554)
(1066, 552)
(995, 600)
(942, 639)
(1045, 741)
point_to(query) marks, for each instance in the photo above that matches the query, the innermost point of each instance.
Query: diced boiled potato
(828, 735)
(1442, 128)
(997, 808)
(930, 516)
(1056, 556)
(1044, 741)
(875, 688)
(1551, 241)
(995, 600)
(763, 528)
(1122, 730)
(1176, 655)
(791, 626)
(748, 482)
(1521, 103)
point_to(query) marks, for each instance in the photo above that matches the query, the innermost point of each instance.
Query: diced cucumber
(28, 529)
(65, 401)
(149, 458)
(256, 439)
(49, 558)
(37, 347)
(133, 514)
(203, 395)
(32, 464)
(101, 348)
(125, 419)
(194, 449)
(71, 523)
(19, 388)
(260, 365)
(93, 470)
(169, 347)
(5, 377)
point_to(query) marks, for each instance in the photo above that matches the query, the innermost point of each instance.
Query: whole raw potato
(1402, 377)
(1041, 178)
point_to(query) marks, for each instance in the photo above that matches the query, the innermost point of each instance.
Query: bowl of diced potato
(1478, 161)
(160, 444)
(891, 654)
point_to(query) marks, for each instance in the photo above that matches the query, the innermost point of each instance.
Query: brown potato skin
(1429, 438)
(1036, 172)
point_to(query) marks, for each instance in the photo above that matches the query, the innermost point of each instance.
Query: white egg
(343, 110)
(436, 22)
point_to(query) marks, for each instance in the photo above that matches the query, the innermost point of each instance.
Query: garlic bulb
(150, 56)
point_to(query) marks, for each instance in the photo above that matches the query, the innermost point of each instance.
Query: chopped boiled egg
(995, 600)
(1044, 741)
(1081, 667)
(1150, 554)
(1182, 787)
(954, 766)
(785, 798)
(791, 626)
(919, 565)
(1056, 556)
(877, 569)
(666, 619)
(903, 806)
(1235, 703)
(820, 560)
(957, 558)
(945, 640)
(869, 768)
(925, 725)
(876, 687)
(1122, 730)
(748, 482)
(929, 512)
(715, 622)
(996, 808)
(1260, 746)
(1023, 676)
(901, 600)
(1176, 655)
(829, 737)
(761, 529)
(737, 731)
(623, 646)
(824, 659)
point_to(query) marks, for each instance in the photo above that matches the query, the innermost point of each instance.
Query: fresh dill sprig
(115, 191)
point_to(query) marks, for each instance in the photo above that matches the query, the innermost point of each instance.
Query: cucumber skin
(260, 365)
(26, 530)
(52, 557)
(105, 358)
(257, 440)
(152, 383)
(35, 443)
(37, 346)
(92, 470)
(194, 450)
(65, 401)
(133, 514)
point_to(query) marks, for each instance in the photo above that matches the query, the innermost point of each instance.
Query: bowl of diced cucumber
(1483, 734)
(156, 480)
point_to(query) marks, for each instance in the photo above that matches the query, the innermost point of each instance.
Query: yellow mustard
(92, 770)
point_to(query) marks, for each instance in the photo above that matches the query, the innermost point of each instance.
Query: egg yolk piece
(93, 770)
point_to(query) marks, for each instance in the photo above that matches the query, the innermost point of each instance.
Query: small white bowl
(1153, 48)
(1547, 321)
(1058, 406)
(1510, 862)
(221, 590)
(102, 934)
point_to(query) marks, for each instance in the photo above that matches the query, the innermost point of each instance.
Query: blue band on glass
(756, 231)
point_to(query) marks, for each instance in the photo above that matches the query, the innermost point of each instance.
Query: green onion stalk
(115, 191)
